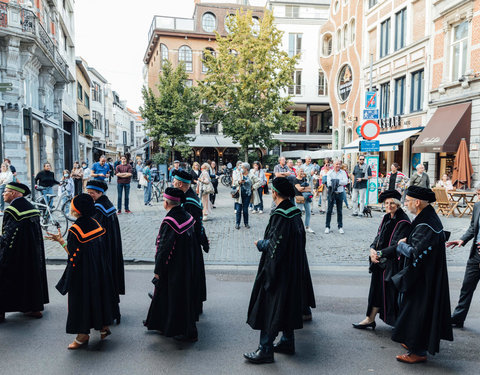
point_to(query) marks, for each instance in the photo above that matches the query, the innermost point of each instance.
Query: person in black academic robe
(283, 287)
(424, 317)
(23, 276)
(88, 280)
(106, 215)
(173, 310)
(382, 297)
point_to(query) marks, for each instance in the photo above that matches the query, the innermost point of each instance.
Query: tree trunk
(246, 154)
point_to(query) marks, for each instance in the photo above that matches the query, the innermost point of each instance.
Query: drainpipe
(32, 163)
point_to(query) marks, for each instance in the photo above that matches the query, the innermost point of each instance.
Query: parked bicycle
(158, 187)
(51, 217)
(226, 178)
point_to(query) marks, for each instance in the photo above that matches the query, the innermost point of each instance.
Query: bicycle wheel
(156, 193)
(57, 219)
(224, 181)
(66, 209)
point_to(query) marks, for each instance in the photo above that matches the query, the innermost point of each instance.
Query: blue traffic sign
(371, 100)
(369, 146)
(370, 114)
(359, 130)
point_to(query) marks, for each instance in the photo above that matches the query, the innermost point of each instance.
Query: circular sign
(359, 127)
(370, 130)
(344, 82)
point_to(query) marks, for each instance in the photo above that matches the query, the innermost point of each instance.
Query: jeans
(355, 196)
(45, 192)
(147, 193)
(308, 212)
(120, 188)
(266, 339)
(260, 196)
(243, 207)
(345, 198)
(2, 202)
(336, 198)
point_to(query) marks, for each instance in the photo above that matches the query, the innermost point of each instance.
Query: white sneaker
(260, 212)
(327, 230)
(309, 230)
(341, 231)
(205, 218)
(254, 212)
(250, 208)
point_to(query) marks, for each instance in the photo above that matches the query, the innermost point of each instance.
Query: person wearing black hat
(23, 275)
(88, 280)
(173, 311)
(283, 286)
(182, 180)
(424, 315)
(107, 218)
(384, 262)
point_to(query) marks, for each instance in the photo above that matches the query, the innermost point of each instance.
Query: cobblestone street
(235, 247)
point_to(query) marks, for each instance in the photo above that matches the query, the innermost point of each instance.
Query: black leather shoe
(284, 347)
(237, 226)
(259, 357)
(247, 226)
(119, 319)
(150, 294)
(371, 325)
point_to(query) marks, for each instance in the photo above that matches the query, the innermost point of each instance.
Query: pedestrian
(309, 169)
(214, 179)
(171, 311)
(176, 167)
(205, 188)
(195, 173)
(260, 174)
(66, 190)
(111, 171)
(182, 181)
(281, 169)
(12, 169)
(247, 184)
(124, 173)
(303, 196)
(445, 182)
(77, 176)
(92, 302)
(139, 169)
(424, 316)
(420, 177)
(347, 187)
(23, 275)
(101, 169)
(147, 183)
(283, 286)
(360, 175)
(298, 164)
(6, 176)
(472, 270)
(87, 173)
(395, 179)
(46, 179)
(327, 167)
(384, 262)
(105, 215)
(336, 181)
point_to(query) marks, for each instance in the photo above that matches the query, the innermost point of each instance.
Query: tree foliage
(171, 115)
(245, 85)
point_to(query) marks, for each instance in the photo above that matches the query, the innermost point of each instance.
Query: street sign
(359, 127)
(5, 89)
(370, 114)
(6, 84)
(370, 130)
(369, 146)
(371, 100)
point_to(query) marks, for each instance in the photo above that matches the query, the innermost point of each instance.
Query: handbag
(208, 189)
(235, 193)
(320, 188)
(299, 199)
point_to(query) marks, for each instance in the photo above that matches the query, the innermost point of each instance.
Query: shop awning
(104, 150)
(445, 129)
(212, 141)
(389, 141)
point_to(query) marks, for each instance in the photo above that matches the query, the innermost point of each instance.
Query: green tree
(245, 85)
(171, 115)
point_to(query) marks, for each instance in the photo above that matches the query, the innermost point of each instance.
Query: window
(459, 50)
(96, 92)
(107, 128)
(296, 89)
(229, 20)
(399, 107)
(352, 31)
(79, 92)
(417, 92)
(336, 6)
(124, 137)
(97, 120)
(322, 83)
(384, 100)
(207, 51)
(80, 124)
(163, 52)
(292, 11)
(339, 40)
(87, 100)
(345, 36)
(327, 45)
(384, 37)
(400, 23)
(256, 26)
(209, 22)
(372, 3)
(206, 126)
(185, 55)
(294, 44)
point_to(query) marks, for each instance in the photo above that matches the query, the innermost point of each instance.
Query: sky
(111, 35)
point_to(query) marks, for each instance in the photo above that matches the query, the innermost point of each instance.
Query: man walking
(124, 176)
(336, 181)
(100, 170)
(360, 175)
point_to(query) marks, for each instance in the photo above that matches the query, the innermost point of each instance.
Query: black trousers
(267, 339)
(470, 281)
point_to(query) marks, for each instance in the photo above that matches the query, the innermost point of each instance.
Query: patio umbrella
(462, 168)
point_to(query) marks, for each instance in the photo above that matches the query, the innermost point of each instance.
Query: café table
(465, 197)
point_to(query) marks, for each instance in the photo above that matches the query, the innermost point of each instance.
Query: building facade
(124, 133)
(84, 116)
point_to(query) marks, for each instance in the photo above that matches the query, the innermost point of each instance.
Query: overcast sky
(111, 35)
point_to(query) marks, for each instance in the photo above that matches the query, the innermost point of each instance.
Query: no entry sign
(370, 130)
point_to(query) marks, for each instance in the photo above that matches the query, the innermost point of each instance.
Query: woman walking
(303, 196)
(77, 176)
(87, 172)
(147, 176)
(248, 184)
(6, 176)
(214, 179)
(260, 174)
(195, 172)
(204, 189)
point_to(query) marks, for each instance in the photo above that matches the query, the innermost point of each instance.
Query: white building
(124, 128)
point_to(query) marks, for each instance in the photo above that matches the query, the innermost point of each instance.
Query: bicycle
(50, 218)
(158, 187)
(226, 178)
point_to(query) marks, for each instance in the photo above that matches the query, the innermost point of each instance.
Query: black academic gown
(383, 293)
(107, 217)
(23, 276)
(283, 286)
(88, 280)
(194, 207)
(173, 310)
(424, 317)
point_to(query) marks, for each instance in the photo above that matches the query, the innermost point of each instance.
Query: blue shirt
(98, 169)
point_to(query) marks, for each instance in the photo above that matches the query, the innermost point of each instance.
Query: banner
(372, 187)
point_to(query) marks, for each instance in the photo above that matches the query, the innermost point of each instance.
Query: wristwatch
(379, 254)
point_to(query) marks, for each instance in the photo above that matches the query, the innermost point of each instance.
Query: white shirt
(342, 178)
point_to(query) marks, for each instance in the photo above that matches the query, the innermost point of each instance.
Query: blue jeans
(260, 195)
(2, 202)
(120, 188)
(336, 198)
(308, 212)
(243, 207)
(147, 193)
(345, 198)
(48, 200)
(267, 339)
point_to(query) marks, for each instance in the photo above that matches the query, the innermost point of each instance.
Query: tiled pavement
(235, 247)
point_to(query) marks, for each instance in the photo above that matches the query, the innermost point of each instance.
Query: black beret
(421, 193)
(283, 187)
(389, 194)
(183, 176)
(97, 185)
(84, 204)
(17, 186)
(174, 194)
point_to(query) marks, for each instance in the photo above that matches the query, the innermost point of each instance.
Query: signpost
(5, 86)
(370, 114)
(371, 100)
(370, 130)
(369, 146)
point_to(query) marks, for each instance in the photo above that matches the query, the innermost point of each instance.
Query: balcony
(171, 23)
(88, 128)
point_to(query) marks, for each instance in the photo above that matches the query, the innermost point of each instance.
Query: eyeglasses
(410, 200)
(361, 159)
